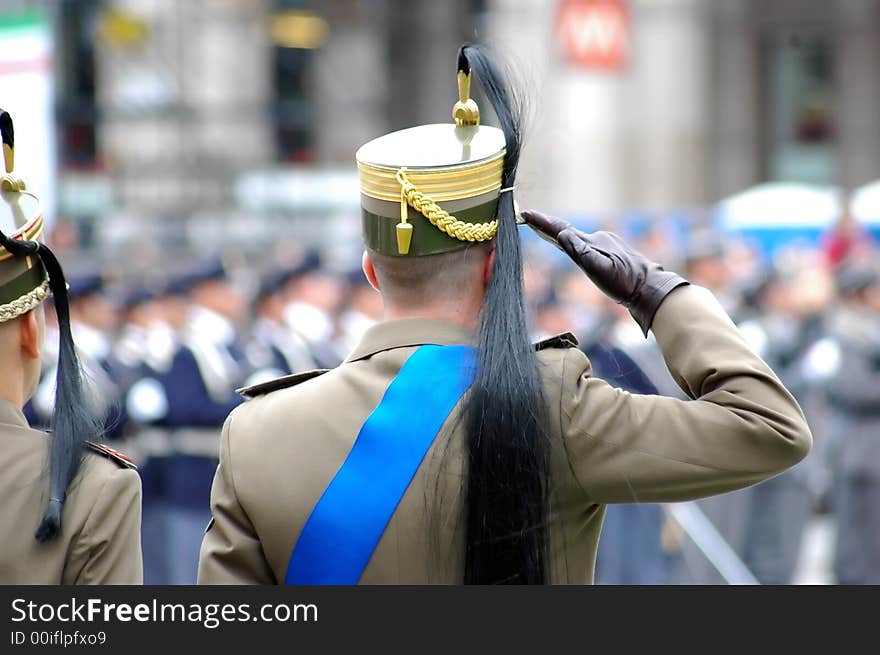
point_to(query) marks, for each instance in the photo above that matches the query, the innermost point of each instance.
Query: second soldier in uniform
(71, 508)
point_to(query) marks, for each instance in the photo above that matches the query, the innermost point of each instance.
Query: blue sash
(346, 524)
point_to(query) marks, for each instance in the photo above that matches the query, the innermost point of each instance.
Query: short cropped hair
(418, 281)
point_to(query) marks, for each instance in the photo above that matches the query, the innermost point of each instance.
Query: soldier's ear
(31, 334)
(488, 265)
(370, 271)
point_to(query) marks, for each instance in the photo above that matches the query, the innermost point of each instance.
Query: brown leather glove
(621, 272)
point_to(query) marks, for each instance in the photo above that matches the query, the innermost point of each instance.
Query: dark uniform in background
(320, 479)
(853, 391)
(200, 390)
(144, 350)
(87, 495)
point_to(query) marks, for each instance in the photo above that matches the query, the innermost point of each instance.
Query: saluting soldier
(447, 448)
(71, 508)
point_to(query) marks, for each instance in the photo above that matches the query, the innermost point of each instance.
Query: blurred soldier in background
(312, 299)
(854, 423)
(362, 310)
(185, 401)
(784, 335)
(143, 345)
(94, 320)
(145, 348)
(173, 302)
(275, 349)
(201, 384)
(210, 362)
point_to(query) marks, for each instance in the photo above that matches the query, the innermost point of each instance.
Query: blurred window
(297, 29)
(799, 128)
(75, 85)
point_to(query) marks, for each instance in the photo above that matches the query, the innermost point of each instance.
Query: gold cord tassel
(404, 229)
(437, 216)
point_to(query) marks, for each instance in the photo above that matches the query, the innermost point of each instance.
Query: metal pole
(702, 532)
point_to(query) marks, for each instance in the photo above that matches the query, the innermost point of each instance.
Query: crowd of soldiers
(166, 360)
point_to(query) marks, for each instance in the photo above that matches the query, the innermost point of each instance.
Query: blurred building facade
(203, 112)
(712, 98)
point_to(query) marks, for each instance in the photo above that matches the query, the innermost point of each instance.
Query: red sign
(594, 33)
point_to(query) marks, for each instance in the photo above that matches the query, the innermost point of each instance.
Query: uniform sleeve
(109, 544)
(189, 402)
(740, 425)
(231, 551)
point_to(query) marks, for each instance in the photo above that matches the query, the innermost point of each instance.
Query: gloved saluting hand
(621, 272)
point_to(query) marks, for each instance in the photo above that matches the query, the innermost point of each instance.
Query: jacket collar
(409, 332)
(11, 415)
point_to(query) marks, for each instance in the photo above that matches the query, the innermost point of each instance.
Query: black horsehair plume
(73, 423)
(506, 501)
(463, 64)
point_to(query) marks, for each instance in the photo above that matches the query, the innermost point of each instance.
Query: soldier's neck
(456, 314)
(12, 375)
(12, 393)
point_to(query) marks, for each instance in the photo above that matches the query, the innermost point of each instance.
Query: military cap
(433, 188)
(24, 283)
(84, 285)
(208, 271)
(310, 263)
(136, 296)
(271, 284)
(184, 282)
(178, 284)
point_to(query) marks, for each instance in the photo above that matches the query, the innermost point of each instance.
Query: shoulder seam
(564, 340)
(280, 383)
(114, 456)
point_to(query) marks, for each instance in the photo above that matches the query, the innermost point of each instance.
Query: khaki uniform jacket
(282, 449)
(100, 540)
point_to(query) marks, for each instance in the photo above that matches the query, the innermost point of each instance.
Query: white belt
(156, 442)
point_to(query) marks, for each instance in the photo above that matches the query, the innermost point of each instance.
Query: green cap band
(23, 284)
(380, 232)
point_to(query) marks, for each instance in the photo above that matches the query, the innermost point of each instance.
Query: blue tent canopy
(780, 214)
